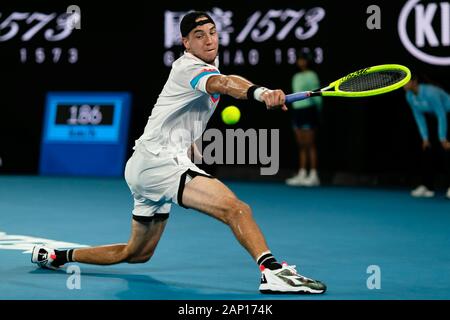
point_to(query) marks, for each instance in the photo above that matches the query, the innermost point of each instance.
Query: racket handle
(297, 96)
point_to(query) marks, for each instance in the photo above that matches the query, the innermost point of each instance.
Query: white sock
(302, 172)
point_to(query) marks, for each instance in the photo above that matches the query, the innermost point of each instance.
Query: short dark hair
(188, 23)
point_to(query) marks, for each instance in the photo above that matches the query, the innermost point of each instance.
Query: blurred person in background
(305, 122)
(428, 100)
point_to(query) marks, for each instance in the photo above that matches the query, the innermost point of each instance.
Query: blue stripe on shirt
(197, 78)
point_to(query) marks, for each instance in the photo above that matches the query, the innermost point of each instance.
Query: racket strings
(372, 81)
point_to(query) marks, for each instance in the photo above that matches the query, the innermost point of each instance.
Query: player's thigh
(209, 196)
(146, 235)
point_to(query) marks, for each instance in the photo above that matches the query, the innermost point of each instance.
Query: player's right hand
(274, 99)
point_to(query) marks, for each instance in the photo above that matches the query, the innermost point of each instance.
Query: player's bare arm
(238, 87)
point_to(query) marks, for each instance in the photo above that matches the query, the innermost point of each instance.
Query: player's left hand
(445, 145)
(274, 99)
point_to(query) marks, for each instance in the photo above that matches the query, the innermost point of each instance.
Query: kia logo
(425, 34)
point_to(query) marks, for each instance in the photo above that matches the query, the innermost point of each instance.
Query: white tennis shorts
(157, 181)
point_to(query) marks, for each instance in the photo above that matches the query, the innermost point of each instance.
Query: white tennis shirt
(183, 108)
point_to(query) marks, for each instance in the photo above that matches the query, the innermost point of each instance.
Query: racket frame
(329, 92)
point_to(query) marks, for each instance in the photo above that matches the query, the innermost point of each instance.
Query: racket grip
(297, 96)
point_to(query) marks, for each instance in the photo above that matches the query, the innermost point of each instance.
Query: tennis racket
(362, 83)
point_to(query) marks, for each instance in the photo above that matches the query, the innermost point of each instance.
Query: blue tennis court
(332, 234)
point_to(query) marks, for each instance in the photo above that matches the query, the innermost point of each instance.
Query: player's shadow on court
(139, 287)
(145, 287)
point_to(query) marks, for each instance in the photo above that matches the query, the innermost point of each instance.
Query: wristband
(251, 92)
(258, 92)
(255, 92)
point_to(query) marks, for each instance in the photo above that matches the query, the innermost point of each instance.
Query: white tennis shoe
(43, 257)
(288, 280)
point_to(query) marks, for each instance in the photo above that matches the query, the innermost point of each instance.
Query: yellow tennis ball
(231, 115)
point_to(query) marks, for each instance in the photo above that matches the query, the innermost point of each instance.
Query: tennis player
(160, 173)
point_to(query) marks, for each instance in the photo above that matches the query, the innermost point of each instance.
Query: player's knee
(138, 257)
(141, 258)
(236, 209)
